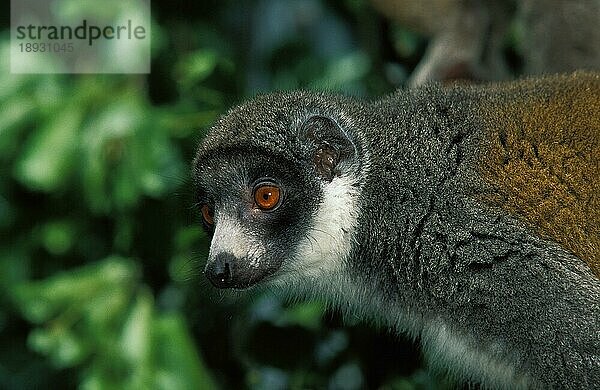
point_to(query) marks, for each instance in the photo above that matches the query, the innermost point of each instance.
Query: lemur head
(278, 180)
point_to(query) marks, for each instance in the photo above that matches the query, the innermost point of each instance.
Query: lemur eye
(207, 214)
(266, 196)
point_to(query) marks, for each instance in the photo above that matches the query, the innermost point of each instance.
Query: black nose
(220, 271)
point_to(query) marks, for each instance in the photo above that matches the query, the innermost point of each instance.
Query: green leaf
(48, 159)
(136, 341)
(126, 156)
(307, 315)
(42, 300)
(58, 236)
(177, 361)
(63, 347)
(197, 67)
(15, 114)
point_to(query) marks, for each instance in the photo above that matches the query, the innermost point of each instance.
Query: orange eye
(207, 215)
(266, 196)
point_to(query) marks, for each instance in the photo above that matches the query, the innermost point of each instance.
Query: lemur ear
(332, 149)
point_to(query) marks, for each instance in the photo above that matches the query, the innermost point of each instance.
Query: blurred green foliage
(100, 249)
(100, 317)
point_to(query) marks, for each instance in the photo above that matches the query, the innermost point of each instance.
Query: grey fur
(493, 302)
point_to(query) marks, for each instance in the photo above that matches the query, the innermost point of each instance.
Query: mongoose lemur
(465, 216)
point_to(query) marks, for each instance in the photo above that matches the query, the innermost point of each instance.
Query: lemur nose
(219, 271)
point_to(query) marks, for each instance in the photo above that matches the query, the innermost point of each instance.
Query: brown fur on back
(541, 154)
